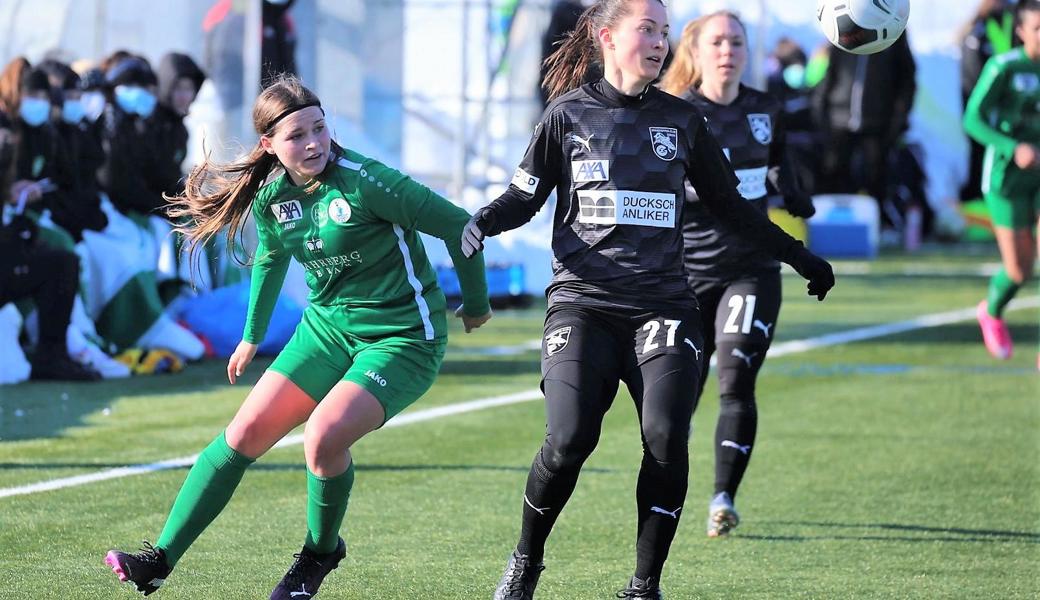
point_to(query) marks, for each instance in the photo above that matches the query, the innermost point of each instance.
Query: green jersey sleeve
(397, 198)
(269, 267)
(984, 102)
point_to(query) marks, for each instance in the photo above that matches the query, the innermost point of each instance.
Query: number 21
(735, 304)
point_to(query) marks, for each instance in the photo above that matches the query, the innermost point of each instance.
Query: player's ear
(265, 143)
(606, 38)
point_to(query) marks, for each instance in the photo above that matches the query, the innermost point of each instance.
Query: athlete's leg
(1018, 255)
(273, 408)
(665, 365)
(745, 325)
(580, 367)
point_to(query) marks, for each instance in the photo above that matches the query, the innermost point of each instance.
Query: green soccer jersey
(1004, 108)
(357, 238)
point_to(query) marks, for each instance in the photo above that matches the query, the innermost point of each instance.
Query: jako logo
(286, 212)
(376, 377)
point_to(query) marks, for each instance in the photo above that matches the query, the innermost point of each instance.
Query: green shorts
(397, 370)
(1012, 195)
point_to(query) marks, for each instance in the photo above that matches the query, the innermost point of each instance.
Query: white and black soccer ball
(863, 26)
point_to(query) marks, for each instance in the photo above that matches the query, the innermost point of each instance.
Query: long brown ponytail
(568, 65)
(221, 195)
(684, 71)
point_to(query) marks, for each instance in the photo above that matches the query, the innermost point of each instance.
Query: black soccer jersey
(751, 135)
(618, 164)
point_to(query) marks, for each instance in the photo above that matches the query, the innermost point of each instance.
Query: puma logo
(765, 328)
(738, 353)
(671, 513)
(584, 142)
(303, 591)
(695, 348)
(745, 450)
(540, 511)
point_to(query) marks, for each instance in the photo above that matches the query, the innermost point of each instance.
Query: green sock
(205, 493)
(327, 499)
(1001, 291)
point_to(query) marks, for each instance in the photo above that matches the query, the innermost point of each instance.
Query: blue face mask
(34, 111)
(72, 111)
(135, 100)
(93, 104)
(794, 76)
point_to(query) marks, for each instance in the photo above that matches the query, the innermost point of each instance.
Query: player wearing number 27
(617, 152)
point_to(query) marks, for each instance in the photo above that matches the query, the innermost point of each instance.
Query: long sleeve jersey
(751, 133)
(1004, 108)
(357, 237)
(618, 164)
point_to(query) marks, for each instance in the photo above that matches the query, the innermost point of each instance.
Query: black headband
(292, 109)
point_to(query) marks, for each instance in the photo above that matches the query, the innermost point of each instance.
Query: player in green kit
(371, 339)
(1003, 114)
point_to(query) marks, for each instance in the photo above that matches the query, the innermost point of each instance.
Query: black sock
(660, 494)
(546, 494)
(734, 441)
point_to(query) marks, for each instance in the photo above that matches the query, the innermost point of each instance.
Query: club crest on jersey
(1025, 82)
(319, 215)
(665, 141)
(761, 127)
(287, 212)
(557, 340)
(339, 211)
(583, 171)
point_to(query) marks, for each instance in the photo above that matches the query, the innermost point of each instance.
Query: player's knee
(568, 450)
(247, 437)
(666, 441)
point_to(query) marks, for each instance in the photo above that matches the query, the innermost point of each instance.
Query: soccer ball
(862, 26)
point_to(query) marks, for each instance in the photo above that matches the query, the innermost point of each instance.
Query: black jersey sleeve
(713, 179)
(535, 178)
(782, 176)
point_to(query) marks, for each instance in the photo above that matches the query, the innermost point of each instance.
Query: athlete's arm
(531, 185)
(783, 175)
(712, 177)
(397, 198)
(269, 266)
(984, 101)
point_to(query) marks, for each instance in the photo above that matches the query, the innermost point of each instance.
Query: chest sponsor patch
(625, 207)
(752, 182)
(339, 211)
(665, 142)
(287, 212)
(525, 181)
(583, 171)
(1025, 82)
(761, 127)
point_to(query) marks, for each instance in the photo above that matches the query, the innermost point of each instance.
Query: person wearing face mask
(130, 171)
(80, 208)
(179, 82)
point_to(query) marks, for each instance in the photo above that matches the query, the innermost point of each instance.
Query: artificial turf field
(900, 466)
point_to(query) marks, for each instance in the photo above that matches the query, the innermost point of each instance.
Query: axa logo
(583, 171)
(665, 141)
(287, 212)
(376, 377)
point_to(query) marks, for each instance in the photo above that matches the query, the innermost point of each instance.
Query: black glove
(814, 269)
(799, 205)
(476, 229)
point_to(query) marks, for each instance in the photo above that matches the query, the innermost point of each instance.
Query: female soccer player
(617, 151)
(1003, 113)
(736, 283)
(371, 339)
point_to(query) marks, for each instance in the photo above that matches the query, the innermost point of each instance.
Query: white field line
(792, 347)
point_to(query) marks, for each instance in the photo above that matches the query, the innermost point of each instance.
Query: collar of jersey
(608, 94)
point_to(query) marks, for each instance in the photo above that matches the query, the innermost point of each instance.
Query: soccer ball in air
(862, 26)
